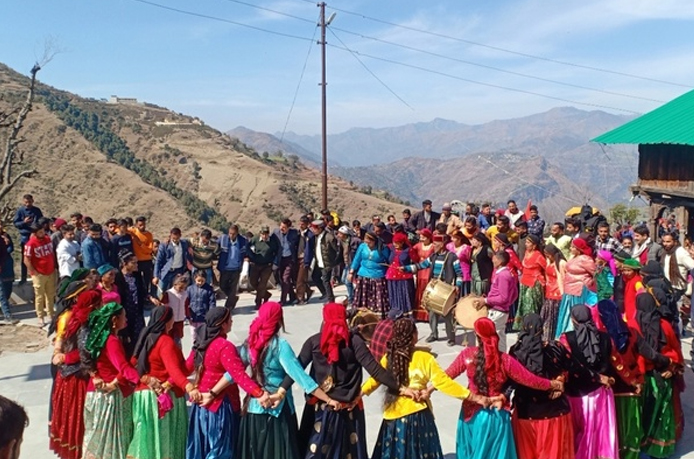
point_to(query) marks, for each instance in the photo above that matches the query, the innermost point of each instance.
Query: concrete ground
(25, 377)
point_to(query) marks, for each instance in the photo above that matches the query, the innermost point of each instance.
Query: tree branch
(24, 174)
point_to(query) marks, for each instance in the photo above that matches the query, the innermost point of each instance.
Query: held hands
(497, 402)
(557, 385)
(205, 399)
(667, 374)
(58, 358)
(606, 380)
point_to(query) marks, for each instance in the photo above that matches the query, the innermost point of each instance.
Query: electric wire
(271, 10)
(369, 70)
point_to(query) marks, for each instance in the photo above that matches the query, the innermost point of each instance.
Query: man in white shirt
(513, 213)
(68, 252)
(676, 263)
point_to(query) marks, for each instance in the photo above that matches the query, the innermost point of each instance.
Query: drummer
(502, 294)
(446, 267)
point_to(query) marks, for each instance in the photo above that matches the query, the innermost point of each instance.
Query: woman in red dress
(423, 249)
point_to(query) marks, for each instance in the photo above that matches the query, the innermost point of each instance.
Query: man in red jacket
(40, 263)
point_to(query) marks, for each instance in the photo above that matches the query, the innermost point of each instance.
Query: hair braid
(400, 348)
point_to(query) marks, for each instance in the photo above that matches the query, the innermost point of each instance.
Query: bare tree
(12, 121)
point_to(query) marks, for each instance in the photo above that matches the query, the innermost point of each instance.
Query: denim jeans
(349, 285)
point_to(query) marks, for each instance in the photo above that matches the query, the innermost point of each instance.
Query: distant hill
(262, 142)
(131, 158)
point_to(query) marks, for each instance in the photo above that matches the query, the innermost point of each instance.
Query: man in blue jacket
(287, 260)
(232, 248)
(304, 260)
(26, 215)
(94, 249)
(174, 257)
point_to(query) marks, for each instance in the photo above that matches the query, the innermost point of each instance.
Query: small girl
(177, 298)
(201, 298)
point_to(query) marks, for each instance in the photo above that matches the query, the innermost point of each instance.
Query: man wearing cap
(57, 235)
(453, 222)
(287, 260)
(326, 254)
(263, 251)
(425, 218)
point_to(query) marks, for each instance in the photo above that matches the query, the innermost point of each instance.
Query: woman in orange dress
(423, 250)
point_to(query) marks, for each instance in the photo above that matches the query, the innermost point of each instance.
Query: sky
(389, 62)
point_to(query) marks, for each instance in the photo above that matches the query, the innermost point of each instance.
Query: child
(201, 298)
(177, 298)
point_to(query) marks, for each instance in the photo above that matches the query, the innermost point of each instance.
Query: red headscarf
(426, 232)
(486, 331)
(400, 238)
(263, 328)
(583, 246)
(334, 331)
(87, 301)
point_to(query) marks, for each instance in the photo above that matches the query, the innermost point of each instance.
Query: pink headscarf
(607, 256)
(263, 328)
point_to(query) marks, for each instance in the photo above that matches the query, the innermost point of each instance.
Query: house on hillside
(665, 137)
(123, 100)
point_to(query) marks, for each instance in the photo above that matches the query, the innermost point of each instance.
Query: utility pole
(324, 130)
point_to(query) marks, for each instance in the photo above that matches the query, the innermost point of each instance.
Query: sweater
(166, 364)
(369, 263)
(503, 291)
(25, 227)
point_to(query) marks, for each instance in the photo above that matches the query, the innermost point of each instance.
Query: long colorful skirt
(529, 301)
(333, 434)
(401, 294)
(488, 434)
(213, 435)
(155, 438)
(263, 436)
(372, 294)
(67, 422)
(410, 437)
(587, 297)
(595, 425)
(549, 313)
(551, 438)
(658, 417)
(108, 425)
(629, 429)
(419, 312)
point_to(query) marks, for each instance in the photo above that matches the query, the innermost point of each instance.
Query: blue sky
(231, 75)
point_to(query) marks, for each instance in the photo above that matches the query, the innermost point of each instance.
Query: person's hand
(478, 304)
(479, 399)
(110, 387)
(667, 374)
(28, 219)
(555, 394)
(264, 399)
(155, 281)
(334, 404)
(423, 395)
(606, 380)
(155, 301)
(349, 277)
(410, 393)
(206, 399)
(557, 385)
(497, 402)
(638, 388)
(353, 403)
(58, 358)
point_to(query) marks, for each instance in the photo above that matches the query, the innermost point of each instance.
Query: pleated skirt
(267, 437)
(213, 435)
(108, 425)
(549, 314)
(155, 438)
(488, 434)
(419, 312)
(658, 417)
(410, 437)
(333, 434)
(629, 428)
(529, 302)
(67, 422)
(401, 294)
(372, 294)
(551, 438)
(587, 297)
(595, 425)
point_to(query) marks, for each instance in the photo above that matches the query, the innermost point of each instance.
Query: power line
(218, 19)
(270, 10)
(497, 69)
(296, 91)
(369, 70)
(504, 50)
(481, 83)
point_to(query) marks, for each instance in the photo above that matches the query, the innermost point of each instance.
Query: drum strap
(443, 268)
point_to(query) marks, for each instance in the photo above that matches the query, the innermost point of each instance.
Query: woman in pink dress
(423, 249)
(107, 284)
(579, 284)
(460, 245)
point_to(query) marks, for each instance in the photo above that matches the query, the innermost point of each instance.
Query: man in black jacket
(425, 218)
(287, 260)
(263, 251)
(326, 256)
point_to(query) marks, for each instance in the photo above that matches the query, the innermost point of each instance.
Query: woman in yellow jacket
(408, 430)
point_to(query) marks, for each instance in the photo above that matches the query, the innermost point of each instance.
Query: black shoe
(308, 296)
(323, 296)
(450, 343)
(432, 338)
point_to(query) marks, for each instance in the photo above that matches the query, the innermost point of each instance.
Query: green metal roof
(671, 123)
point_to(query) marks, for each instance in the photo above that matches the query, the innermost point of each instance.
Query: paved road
(26, 379)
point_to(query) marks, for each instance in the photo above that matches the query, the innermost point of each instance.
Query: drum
(467, 312)
(439, 297)
(365, 322)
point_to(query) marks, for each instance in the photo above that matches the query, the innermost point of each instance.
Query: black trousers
(322, 277)
(229, 283)
(146, 270)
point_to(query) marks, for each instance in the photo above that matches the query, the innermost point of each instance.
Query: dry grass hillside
(199, 163)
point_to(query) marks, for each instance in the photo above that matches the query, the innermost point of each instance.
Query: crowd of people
(596, 372)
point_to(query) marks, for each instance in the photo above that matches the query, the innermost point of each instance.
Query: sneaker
(9, 320)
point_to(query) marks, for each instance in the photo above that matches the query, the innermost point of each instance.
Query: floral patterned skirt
(372, 294)
(410, 437)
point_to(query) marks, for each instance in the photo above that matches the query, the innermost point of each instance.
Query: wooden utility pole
(324, 129)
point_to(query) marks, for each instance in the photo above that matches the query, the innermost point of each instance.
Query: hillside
(122, 159)
(262, 142)
(560, 135)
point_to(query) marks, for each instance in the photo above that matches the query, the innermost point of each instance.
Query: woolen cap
(265, 229)
(318, 223)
